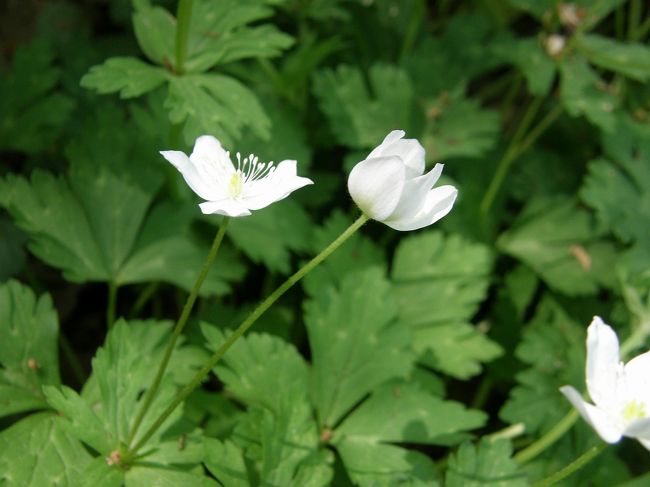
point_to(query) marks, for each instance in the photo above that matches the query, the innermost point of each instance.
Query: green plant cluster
(421, 359)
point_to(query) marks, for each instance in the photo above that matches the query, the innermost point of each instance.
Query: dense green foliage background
(403, 359)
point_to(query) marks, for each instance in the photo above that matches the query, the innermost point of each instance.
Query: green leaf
(225, 461)
(360, 117)
(32, 113)
(620, 182)
(583, 92)
(167, 250)
(37, 451)
(488, 463)
(553, 348)
(439, 283)
(628, 58)
(128, 75)
(269, 236)
(406, 414)
(355, 342)
(531, 58)
(141, 476)
(277, 383)
(458, 127)
(385, 465)
(28, 349)
(122, 369)
(219, 34)
(562, 244)
(155, 29)
(358, 252)
(215, 104)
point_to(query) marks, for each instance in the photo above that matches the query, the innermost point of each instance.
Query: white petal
(192, 177)
(638, 429)
(637, 377)
(278, 185)
(409, 150)
(602, 422)
(227, 207)
(438, 202)
(379, 151)
(414, 195)
(376, 185)
(207, 147)
(603, 366)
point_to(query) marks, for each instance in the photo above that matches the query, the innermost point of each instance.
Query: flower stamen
(634, 410)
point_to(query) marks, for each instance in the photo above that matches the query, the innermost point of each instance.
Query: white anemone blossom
(620, 392)
(234, 189)
(390, 185)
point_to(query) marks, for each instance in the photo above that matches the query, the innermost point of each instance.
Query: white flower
(389, 185)
(620, 392)
(233, 190)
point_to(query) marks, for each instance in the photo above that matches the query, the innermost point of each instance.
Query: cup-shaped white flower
(620, 392)
(390, 185)
(234, 190)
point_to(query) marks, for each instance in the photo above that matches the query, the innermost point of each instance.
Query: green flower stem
(72, 359)
(151, 392)
(112, 303)
(510, 155)
(183, 17)
(572, 467)
(245, 325)
(633, 20)
(554, 434)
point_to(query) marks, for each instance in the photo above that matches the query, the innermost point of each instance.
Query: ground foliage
(402, 359)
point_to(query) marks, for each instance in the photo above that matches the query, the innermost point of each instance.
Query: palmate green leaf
(553, 347)
(215, 104)
(269, 236)
(219, 34)
(355, 342)
(31, 112)
(128, 75)
(583, 92)
(407, 414)
(360, 117)
(104, 202)
(458, 127)
(386, 465)
(28, 350)
(439, 283)
(278, 431)
(225, 460)
(357, 253)
(155, 30)
(38, 451)
(562, 243)
(488, 463)
(621, 182)
(122, 369)
(629, 59)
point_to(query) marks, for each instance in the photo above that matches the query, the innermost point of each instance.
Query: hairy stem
(245, 325)
(572, 467)
(151, 392)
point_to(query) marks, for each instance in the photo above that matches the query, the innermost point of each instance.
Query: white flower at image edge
(234, 190)
(390, 185)
(620, 392)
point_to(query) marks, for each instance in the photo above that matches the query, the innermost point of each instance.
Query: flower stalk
(183, 17)
(243, 327)
(572, 467)
(187, 308)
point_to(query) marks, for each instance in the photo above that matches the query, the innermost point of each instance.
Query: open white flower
(620, 392)
(389, 185)
(234, 190)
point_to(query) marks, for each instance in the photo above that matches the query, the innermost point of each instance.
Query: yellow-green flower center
(634, 410)
(236, 185)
